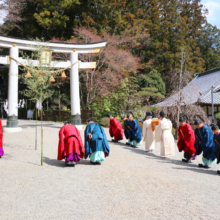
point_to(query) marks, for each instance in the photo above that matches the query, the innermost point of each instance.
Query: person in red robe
(70, 145)
(1, 142)
(115, 129)
(186, 140)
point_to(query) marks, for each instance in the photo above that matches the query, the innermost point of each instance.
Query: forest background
(146, 42)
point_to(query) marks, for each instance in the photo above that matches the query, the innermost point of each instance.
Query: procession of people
(203, 140)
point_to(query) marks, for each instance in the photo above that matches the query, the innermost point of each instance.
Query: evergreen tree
(152, 87)
(209, 43)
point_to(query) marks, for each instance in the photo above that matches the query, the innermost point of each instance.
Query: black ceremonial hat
(182, 119)
(149, 114)
(196, 121)
(214, 127)
(90, 119)
(162, 114)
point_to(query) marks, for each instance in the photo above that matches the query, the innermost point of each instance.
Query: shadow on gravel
(199, 170)
(117, 143)
(84, 162)
(54, 162)
(57, 163)
(186, 166)
(38, 125)
(141, 151)
(7, 157)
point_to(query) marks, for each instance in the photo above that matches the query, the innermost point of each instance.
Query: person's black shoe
(134, 146)
(94, 163)
(98, 163)
(218, 171)
(113, 140)
(186, 161)
(203, 166)
(0, 156)
(70, 164)
(128, 144)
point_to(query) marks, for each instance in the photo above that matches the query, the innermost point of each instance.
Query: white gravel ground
(130, 184)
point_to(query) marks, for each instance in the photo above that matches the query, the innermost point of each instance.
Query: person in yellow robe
(148, 134)
(163, 134)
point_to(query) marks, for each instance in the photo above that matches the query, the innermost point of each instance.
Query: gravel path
(130, 184)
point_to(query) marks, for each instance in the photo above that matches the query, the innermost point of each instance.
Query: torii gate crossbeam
(73, 49)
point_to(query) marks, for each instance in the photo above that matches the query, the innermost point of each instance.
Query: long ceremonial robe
(98, 141)
(186, 139)
(136, 134)
(115, 129)
(163, 134)
(69, 142)
(204, 142)
(148, 135)
(1, 140)
(217, 147)
(127, 130)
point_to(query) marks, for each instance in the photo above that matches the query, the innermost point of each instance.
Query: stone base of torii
(73, 49)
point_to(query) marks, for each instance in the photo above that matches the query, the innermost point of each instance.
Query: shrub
(105, 122)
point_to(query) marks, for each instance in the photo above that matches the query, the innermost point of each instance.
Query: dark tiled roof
(198, 89)
(207, 98)
(208, 72)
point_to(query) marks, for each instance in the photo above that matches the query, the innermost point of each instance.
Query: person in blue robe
(96, 144)
(127, 129)
(204, 143)
(216, 132)
(136, 135)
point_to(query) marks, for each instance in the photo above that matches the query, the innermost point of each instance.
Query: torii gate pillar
(12, 119)
(74, 89)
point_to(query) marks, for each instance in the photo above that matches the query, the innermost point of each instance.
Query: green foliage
(152, 87)
(61, 97)
(124, 98)
(217, 115)
(36, 89)
(54, 14)
(152, 31)
(209, 42)
(138, 114)
(152, 80)
(155, 31)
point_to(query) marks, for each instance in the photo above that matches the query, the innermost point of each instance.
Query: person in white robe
(148, 134)
(163, 134)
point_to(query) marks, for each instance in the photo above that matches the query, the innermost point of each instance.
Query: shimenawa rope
(44, 71)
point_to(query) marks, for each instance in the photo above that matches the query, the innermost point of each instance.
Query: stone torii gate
(73, 49)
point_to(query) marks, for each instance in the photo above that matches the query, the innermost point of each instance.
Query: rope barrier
(44, 71)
